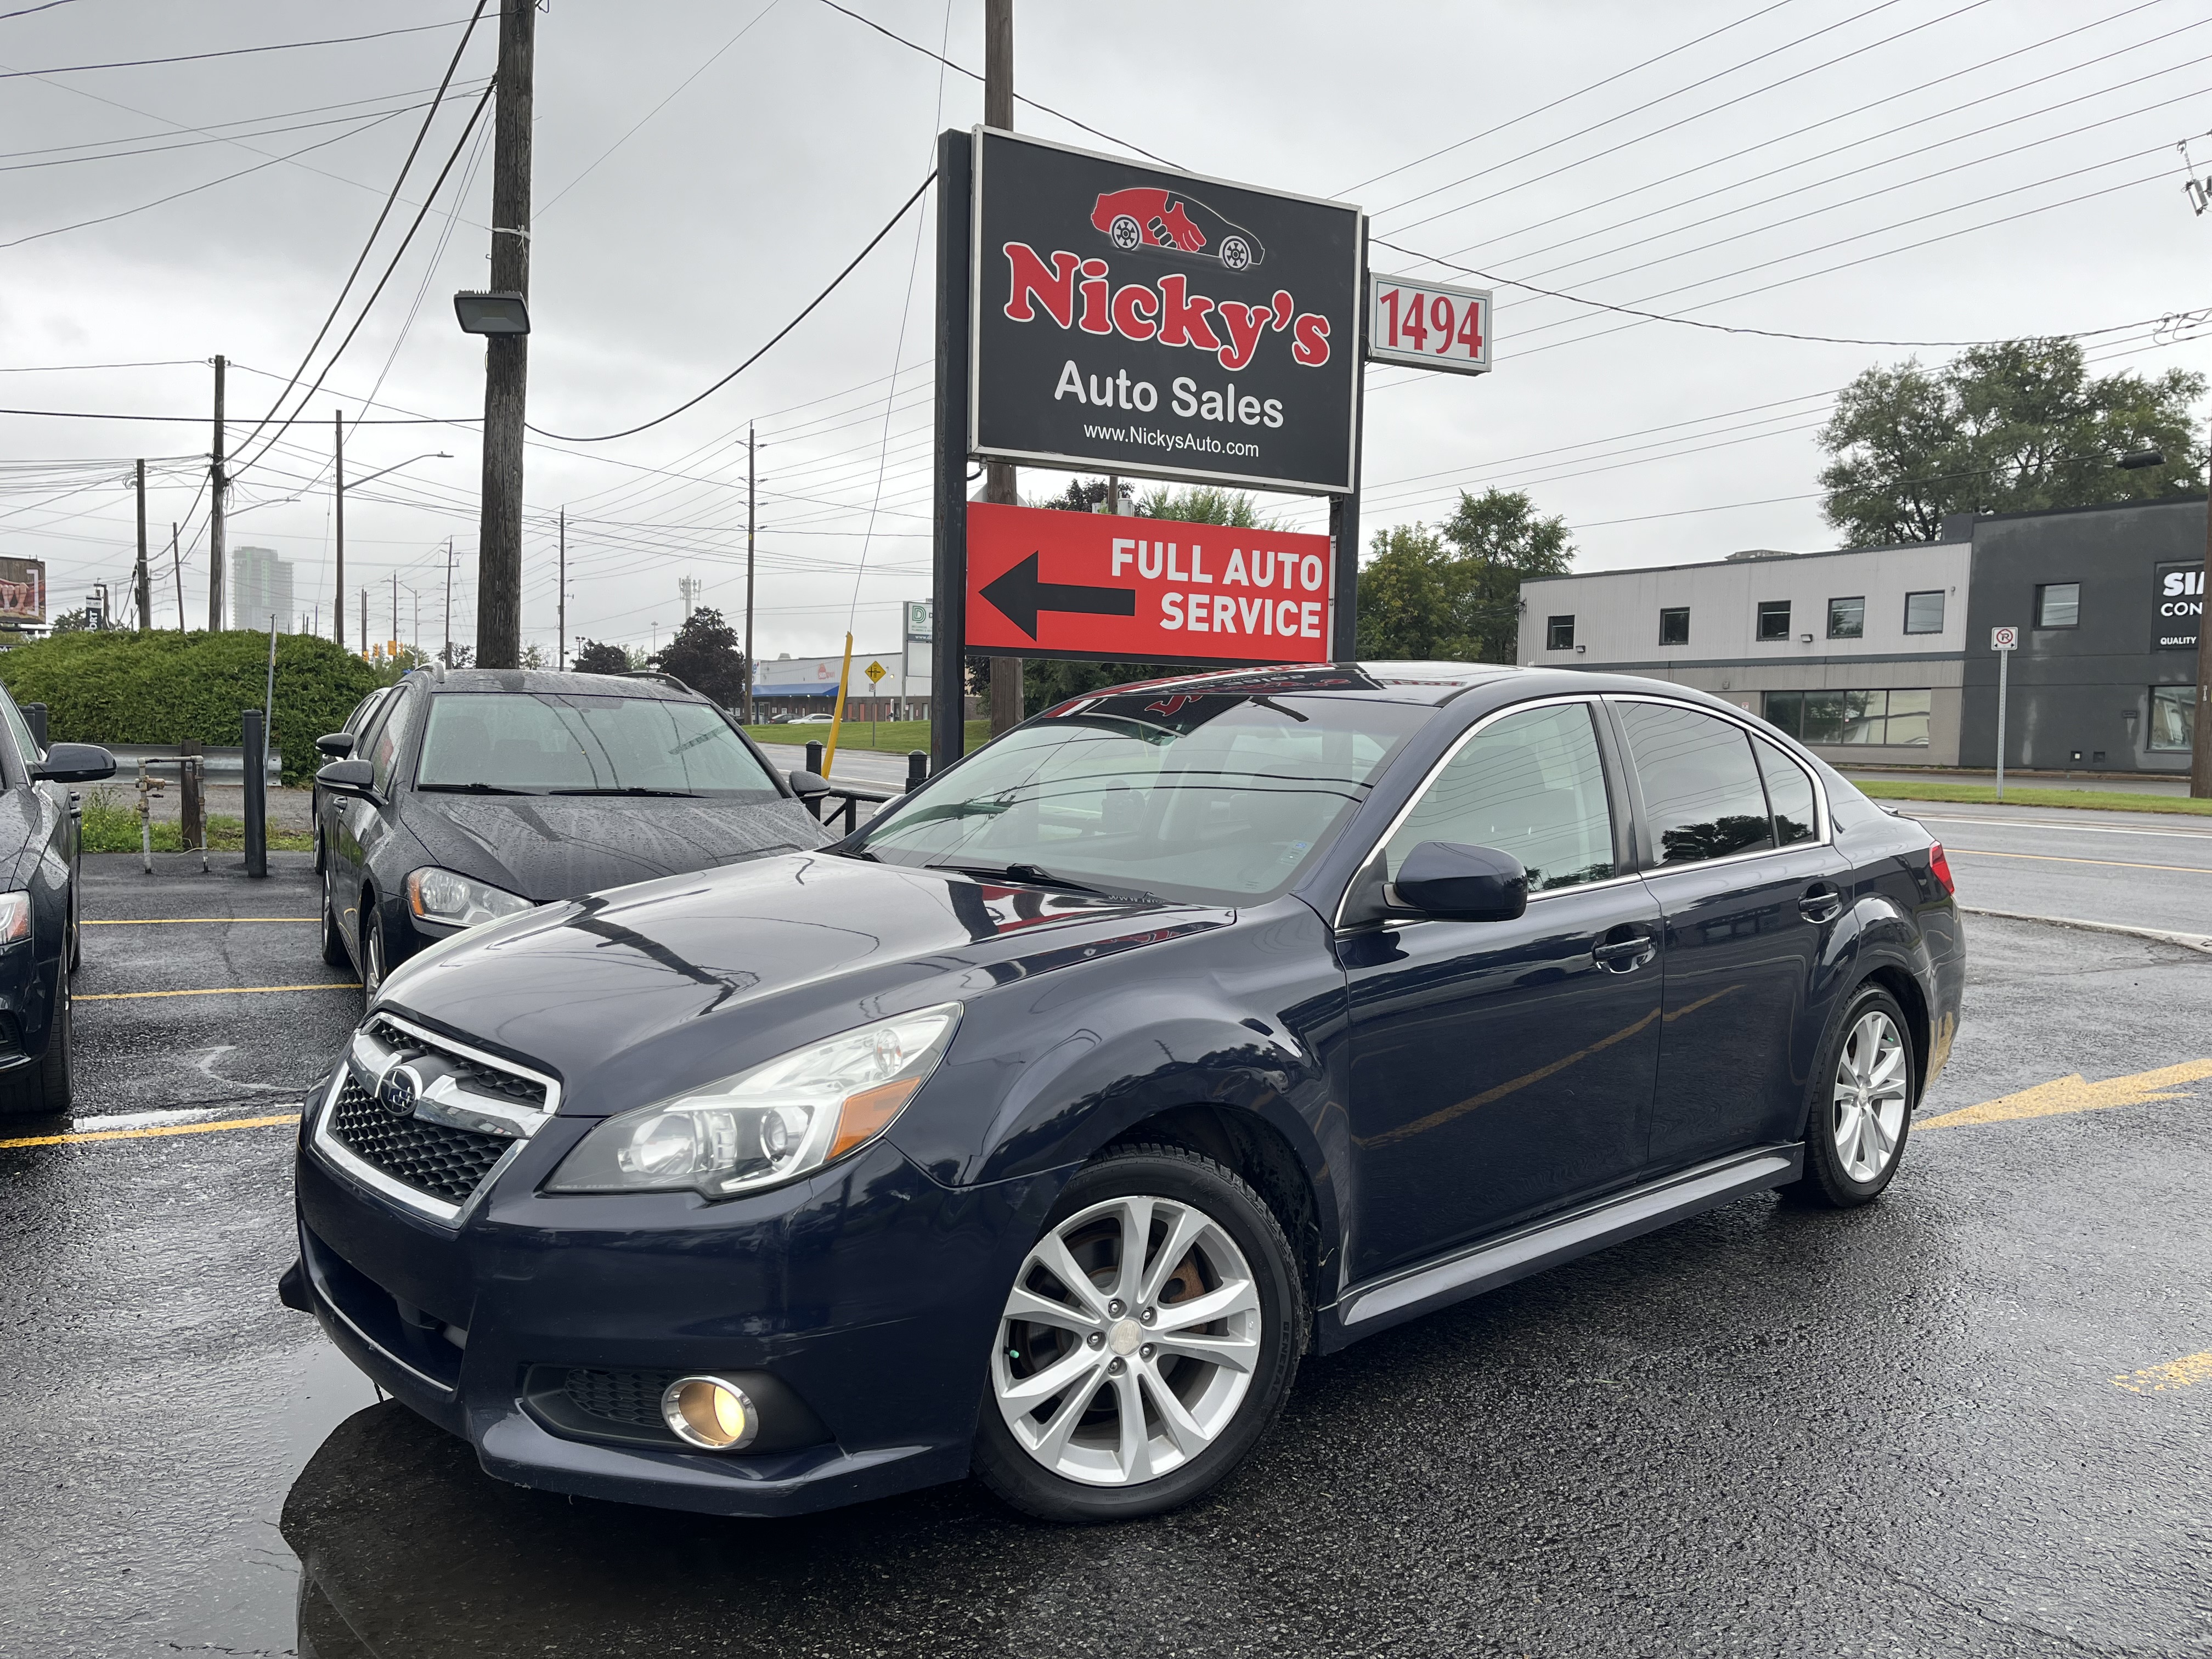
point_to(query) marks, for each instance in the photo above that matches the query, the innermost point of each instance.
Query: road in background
(861, 766)
(2130, 869)
(2097, 780)
(1950, 1424)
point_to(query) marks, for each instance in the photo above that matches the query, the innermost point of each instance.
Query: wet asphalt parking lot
(1972, 1420)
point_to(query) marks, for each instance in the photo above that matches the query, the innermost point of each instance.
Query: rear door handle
(1821, 905)
(1624, 954)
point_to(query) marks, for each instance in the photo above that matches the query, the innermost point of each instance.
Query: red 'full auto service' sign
(1144, 590)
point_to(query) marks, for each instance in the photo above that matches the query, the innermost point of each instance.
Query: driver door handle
(1821, 905)
(1623, 950)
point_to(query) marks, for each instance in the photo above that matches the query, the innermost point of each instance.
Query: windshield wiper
(469, 789)
(687, 794)
(1031, 875)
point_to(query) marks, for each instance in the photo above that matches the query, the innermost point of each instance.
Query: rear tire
(1865, 1094)
(47, 1087)
(371, 949)
(1205, 1235)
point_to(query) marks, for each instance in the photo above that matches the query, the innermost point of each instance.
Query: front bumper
(867, 1293)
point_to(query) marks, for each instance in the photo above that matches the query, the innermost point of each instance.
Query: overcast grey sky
(1872, 169)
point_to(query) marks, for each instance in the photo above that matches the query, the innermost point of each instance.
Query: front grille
(497, 1080)
(631, 1397)
(446, 1163)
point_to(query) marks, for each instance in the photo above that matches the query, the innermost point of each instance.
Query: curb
(2197, 942)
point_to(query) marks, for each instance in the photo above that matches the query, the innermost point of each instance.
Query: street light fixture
(2137, 460)
(492, 311)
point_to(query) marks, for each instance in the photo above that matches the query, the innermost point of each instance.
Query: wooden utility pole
(337, 452)
(507, 356)
(746, 717)
(448, 658)
(176, 569)
(395, 613)
(999, 476)
(364, 621)
(561, 611)
(218, 488)
(145, 578)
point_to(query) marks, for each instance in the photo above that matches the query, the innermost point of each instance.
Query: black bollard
(917, 769)
(34, 715)
(814, 756)
(255, 756)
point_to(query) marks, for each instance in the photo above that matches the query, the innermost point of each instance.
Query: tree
(2005, 428)
(72, 622)
(705, 656)
(593, 658)
(1453, 593)
(457, 656)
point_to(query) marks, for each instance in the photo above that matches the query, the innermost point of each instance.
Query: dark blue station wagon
(1039, 1128)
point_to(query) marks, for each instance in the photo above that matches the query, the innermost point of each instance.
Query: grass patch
(110, 826)
(883, 737)
(2099, 800)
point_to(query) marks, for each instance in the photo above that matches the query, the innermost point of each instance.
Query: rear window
(560, 743)
(1701, 787)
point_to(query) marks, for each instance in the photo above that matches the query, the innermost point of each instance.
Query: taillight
(1940, 867)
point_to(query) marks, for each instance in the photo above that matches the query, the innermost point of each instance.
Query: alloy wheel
(1869, 1119)
(1129, 1342)
(372, 977)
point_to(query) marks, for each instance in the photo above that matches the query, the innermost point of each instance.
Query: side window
(389, 731)
(1530, 784)
(1701, 788)
(1790, 792)
(27, 747)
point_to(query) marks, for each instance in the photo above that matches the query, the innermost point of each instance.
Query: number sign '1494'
(1428, 324)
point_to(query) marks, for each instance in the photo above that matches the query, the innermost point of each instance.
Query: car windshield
(1220, 798)
(549, 743)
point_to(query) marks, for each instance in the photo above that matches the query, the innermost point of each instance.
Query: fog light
(710, 1413)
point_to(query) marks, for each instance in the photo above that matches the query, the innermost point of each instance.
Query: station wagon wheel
(1861, 1110)
(1146, 1341)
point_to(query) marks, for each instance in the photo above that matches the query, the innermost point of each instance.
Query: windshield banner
(1121, 589)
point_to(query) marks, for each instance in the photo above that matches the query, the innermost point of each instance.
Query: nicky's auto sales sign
(1133, 319)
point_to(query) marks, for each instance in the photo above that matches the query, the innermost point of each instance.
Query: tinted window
(1674, 626)
(1214, 797)
(1923, 612)
(1774, 619)
(1790, 792)
(1701, 789)
(2058, 604)
(1847, 618)
(27, 747)
(384, 747)
(1560, 634)
(1530, 785)
(562, 743)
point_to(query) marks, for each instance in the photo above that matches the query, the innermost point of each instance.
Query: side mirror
(336, 744)
(346, 777)
(1463, 883)
(74, 763)
(808, 785)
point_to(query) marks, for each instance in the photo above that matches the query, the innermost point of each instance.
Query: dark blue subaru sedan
(1038, 1128)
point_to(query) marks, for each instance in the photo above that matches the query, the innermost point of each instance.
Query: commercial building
(787, 685)
(1881, 656)
(260, 587)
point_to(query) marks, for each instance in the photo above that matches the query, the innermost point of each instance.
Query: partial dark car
(39, 853)
(337, 745)
(1039, 1126)
(481, 794)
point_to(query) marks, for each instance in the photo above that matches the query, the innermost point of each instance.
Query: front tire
(334, 945)
(48, 1089)
(1149, 1339)
(371, 949)
(1863, 1098)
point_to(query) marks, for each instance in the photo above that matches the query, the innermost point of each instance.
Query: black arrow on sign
(1019, 596)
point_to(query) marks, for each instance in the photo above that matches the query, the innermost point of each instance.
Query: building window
(1560, 635)
(1923, 612)
(1774, 619)
(1894, 719)
(1674, 626)
(2058, 604)
(2173, 719)
(1847, 618)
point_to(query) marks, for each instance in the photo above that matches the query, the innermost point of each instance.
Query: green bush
(118, 687)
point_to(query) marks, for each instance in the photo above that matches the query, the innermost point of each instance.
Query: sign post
(2003, 642)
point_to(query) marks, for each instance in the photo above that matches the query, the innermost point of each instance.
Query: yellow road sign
(875, 671)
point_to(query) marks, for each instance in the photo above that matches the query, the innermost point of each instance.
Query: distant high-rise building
(260, 587)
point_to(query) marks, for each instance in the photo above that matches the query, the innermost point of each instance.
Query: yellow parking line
(2073, 1094)
(170, 921)
(141, 1134)
(223, 991)
(2174, 1374)
(2053, 858)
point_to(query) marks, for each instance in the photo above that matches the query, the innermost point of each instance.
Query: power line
(189, 143)
(641, 426)
(233, 52)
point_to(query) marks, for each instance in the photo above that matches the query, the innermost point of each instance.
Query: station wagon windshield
(1219, 799)
(560, 743)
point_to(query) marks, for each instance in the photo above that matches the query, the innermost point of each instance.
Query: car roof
(664, 686)
(1432, 683)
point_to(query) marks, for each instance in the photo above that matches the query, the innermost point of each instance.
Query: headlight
(15, 917)
(442, 896)
(768, 1125)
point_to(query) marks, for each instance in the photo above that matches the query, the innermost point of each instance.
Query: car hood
(554, 846)
(630, 996)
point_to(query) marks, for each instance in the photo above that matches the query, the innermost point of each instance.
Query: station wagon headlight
(458, 902)
(768, 1125)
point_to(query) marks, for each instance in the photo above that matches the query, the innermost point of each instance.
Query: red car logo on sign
(1141, 217)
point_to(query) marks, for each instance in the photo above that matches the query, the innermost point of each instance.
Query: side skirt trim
(1373, 1307)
